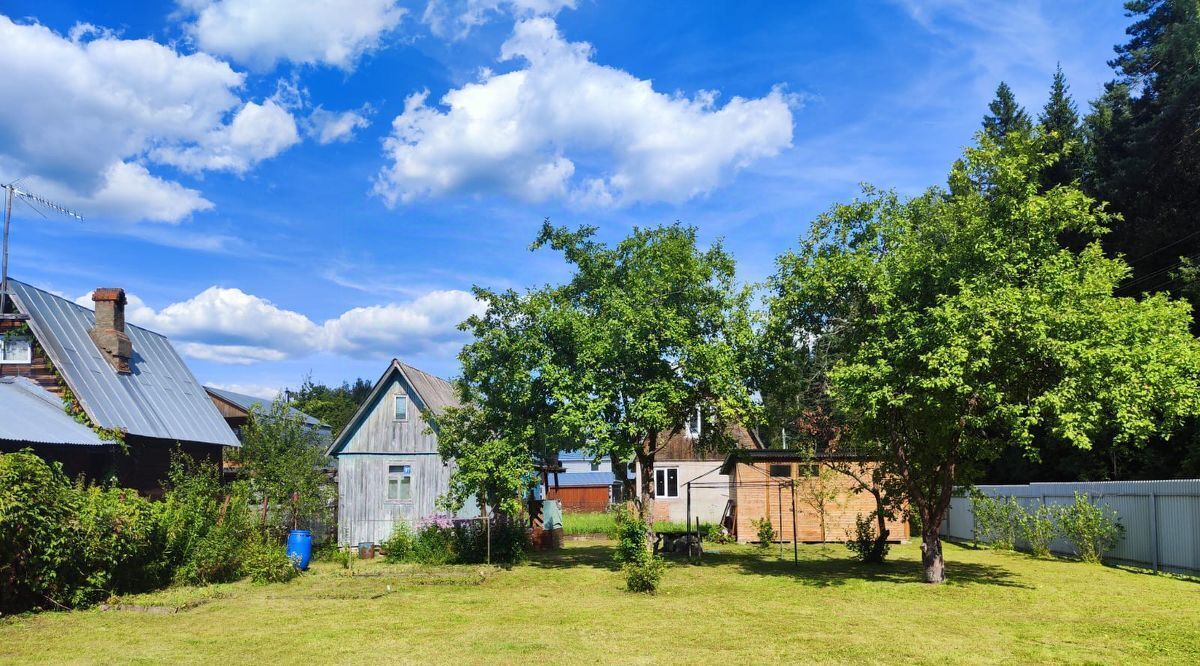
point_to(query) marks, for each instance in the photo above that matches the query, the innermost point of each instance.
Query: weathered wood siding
(38, 371)
(364, 512)
(758, 495)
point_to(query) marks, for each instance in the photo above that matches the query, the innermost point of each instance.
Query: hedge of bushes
(1089, 528)
(68, 545)
(443, 540)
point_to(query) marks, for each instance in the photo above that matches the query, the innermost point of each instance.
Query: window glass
(666, 482)
(16, 349)
(399, 482)
(693, 424)
(672, 483)
(401, 408)
(784, 471)
(660, 483)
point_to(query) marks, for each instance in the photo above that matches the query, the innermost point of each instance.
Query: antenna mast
(10, 192)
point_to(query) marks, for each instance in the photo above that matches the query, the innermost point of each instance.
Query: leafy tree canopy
(962, 327)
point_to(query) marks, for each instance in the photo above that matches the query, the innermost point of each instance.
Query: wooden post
(795, 540)
(688, 538)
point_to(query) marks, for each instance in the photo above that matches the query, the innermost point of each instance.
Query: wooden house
(787, 487)
(389, 469)
(120, 380)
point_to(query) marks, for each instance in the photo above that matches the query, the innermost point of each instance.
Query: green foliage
(509, 542)
(334, 405)
(399, 546)
(1059, 121)
(1005, 116)
(1091, 529)
(117, 543)
(631, 536)
(266, 561)
(959, 326)
(864, 543)
(642, 333)
(1038, 529)
(765, 531)
(37, 506)
(284, 463)
(644, 574)
(997, 521)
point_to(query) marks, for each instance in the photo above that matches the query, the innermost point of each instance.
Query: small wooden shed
(778, 484)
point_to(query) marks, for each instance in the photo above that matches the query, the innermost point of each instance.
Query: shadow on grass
(816, 569)
(837, 571)
(596, 556)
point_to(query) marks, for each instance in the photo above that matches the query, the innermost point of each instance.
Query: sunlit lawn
(738, 606)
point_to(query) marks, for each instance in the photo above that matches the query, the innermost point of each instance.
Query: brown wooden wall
(142, 465)
(38, 371)
(681, 447)
(758, 495)
(581, 498)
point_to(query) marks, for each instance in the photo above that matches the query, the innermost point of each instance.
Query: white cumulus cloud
(86, 116)
(333, 126)
(454, 19)
(227, 325)
(527, 133)
(260, 33)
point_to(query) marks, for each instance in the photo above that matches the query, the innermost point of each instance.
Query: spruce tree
(1005, 115)
(1060, 121)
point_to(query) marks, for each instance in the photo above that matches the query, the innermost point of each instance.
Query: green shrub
(1038, 529)
(1090, 529)
(644, 573)
(435, 541)
(510, 541)
(765, 530)
(117, 544)
(631, 537)
(399, 546)
(863, 542)
(37, 506)
(266, 561)
(997, 521)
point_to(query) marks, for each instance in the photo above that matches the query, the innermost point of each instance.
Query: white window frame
(7, 340)
(396, 403)
(695, 424)
(398, 477)
(666, 482)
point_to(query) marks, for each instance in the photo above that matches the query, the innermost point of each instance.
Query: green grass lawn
(601, 522)
(739, 606)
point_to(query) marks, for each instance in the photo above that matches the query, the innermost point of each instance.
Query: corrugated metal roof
(33, 414)
(246, 402)
(159, 398)
(437, 393)
(578, 479)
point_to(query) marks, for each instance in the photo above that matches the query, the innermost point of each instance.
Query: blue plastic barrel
(299, 547)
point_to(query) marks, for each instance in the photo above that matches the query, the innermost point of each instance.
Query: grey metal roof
(34, 415)
(246, 402)
(437, 393)
(159, 398)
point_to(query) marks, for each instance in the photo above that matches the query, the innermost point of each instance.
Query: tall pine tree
(1060, 121)
(1005, 115)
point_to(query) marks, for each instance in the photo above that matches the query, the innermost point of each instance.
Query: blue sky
(286, 187)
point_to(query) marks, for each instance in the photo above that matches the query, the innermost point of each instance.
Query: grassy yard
(738, 606)
(601, 522)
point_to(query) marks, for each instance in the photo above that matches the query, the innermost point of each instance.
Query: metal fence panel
(1161, 518)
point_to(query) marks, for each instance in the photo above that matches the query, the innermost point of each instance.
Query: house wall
(364, 512)
(141, 465)
(758, 495)
(710, 493)
(38, 371)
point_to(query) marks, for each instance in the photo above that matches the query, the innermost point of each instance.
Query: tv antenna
(11, 191)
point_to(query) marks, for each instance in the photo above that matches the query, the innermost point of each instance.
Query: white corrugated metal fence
(1161, 518)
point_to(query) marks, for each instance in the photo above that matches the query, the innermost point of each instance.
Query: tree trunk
(881, 534)
(646, 497)
(931, 554)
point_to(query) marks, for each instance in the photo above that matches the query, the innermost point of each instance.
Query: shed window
(16, 349)
(666, 482)
(399, 483)
(784, 471)
(401, 408)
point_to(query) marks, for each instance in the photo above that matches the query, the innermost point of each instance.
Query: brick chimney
(109, 331)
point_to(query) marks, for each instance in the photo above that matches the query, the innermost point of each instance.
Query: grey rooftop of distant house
(33, 415)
